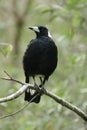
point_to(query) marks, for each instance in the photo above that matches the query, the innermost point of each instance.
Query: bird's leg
(41, 86)
(42, 83)
(35, 85)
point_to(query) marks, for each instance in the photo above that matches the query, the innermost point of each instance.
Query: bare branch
(59, 100)
(67, 105)
(14, 95)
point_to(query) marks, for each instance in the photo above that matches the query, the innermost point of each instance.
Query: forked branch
(59, 100)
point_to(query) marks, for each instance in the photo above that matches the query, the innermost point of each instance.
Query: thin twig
(8, 74)
(17, 81)
(11, 78)
(19, 110)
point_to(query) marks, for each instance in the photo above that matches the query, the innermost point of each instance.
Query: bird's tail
(30, 97)
(37, 97)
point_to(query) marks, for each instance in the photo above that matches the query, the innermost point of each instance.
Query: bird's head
(41, 31)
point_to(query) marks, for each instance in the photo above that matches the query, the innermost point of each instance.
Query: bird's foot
(41, 87)
(36, 86)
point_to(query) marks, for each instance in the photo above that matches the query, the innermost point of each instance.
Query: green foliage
(5, 48)
(67, 21)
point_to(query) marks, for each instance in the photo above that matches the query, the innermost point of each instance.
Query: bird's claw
(36, 86)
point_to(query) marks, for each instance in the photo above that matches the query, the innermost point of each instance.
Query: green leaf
(5, 48)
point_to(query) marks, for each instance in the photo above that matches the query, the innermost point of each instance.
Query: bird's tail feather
(29, 97)
(38, 97)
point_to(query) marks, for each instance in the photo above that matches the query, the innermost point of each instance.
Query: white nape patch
(49, 34)
(36, 29)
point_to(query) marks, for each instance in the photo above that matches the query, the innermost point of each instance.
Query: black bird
(40, 58)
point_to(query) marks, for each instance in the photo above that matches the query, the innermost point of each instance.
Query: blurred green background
(67, 22)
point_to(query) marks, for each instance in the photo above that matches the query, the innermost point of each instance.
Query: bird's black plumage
(40, 57)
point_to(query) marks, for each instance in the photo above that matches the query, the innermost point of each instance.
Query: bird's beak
(34, 29)
(31, 28)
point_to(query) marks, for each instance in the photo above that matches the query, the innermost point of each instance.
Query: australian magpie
(40, 58)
